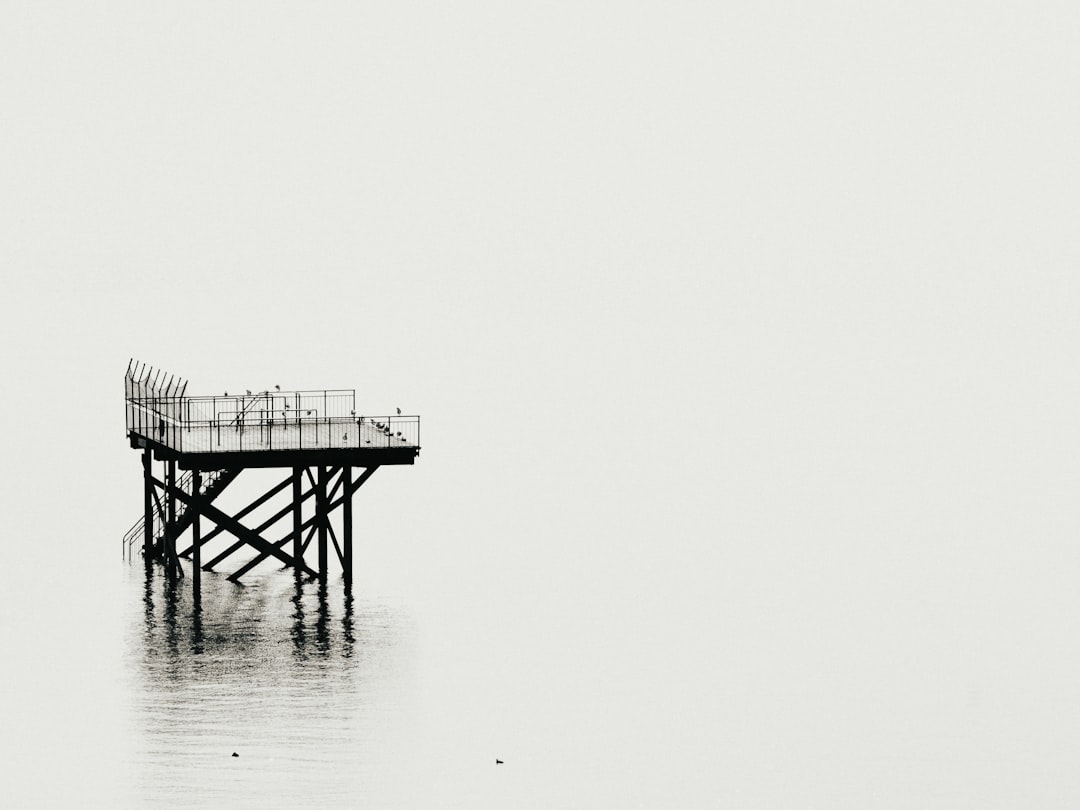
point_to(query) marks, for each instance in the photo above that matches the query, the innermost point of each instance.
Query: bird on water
(497, 762)
(235, 754)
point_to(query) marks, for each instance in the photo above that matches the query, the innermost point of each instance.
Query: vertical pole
(346, 520)
(196, 539)
(148, 507)
(322, 518)
(297, 518)
(170, 525)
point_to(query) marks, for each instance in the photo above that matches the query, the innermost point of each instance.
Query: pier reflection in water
(304, 682)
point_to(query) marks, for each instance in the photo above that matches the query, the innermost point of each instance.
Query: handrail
(308, 417)
(133, 534)
(257, 429)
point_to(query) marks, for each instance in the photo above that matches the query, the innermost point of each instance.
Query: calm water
(308, 685)
(734, 690)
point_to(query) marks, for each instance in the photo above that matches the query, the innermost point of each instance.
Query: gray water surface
(303, 682)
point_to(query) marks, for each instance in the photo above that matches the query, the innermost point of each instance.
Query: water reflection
(235, 622)
(294, 675)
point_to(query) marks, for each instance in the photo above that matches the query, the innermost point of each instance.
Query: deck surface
(281, 444)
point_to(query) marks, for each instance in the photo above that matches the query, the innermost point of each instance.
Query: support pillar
(148, 507)
(346, 524)
(170, 517)
(196, 540)
(323, 518)
(298, 517)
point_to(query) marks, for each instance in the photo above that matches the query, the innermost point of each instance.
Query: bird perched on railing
(399, 411)
(249, 393)
(277, 387)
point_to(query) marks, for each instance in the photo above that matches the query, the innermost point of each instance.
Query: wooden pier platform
(214, 438)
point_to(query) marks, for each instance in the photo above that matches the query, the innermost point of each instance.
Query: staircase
(213, 483)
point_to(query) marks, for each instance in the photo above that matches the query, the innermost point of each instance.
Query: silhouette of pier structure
(203, 444)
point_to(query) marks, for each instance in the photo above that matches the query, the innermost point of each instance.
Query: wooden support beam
(148, 506)
(346, 525)
(242, 532)
(332, 472)
(251, 507)
(308, 539)
(324, 519)
(359, 482)
(170, 518)
(266, 524)
(158, 547)
(215, 489)
(312, 522)
(160, 544)
(337, 546)
(298, 516)
(196, 540)
(301, 547)
(337, 484)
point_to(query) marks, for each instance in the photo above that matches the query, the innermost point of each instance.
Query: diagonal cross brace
(243, 512)
(210, 495)
(241, 531)
(334, 540)
(312, 523)
(182, 523)
(334, 471)
(270, 521)
(309, 522)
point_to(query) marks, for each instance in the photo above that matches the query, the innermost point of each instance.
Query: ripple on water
(305, 683)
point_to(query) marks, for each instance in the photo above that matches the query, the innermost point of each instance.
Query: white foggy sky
(743, 336)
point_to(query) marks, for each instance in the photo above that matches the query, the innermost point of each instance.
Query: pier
(201, 444)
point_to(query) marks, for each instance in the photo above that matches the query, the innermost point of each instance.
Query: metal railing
(268, 431)
(152, 399)
(267, 420)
